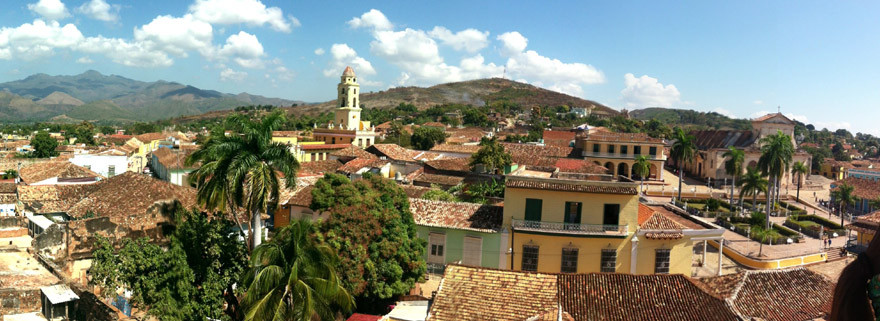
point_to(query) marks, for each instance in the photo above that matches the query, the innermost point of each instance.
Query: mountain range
(92, 96)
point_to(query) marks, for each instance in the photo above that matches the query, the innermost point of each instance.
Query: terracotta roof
(464, 135)
(385, 125)
(645, 212)
(862, 188)
(574, 165)
(548, 151)
(680, 220)
(323, 146)
(413, 191)
(41, 199)
(605, 136)
(62, 169)
(463, 149)
(302, 197)
(8, 188)
(319, 167)
(558, 137)
(439, 179)
(174, 158)
(662, 228)
(768, 116)
(357, 164)
(149, 137)
(784, 295)
(391, 151)
(352, 152)
(608, 296)
(711, 139)
(285, 133)
(456, 215)
(450, 164)
(348, 71)
(572, 186)
(434, 124)
(131, 194)
(470, 293)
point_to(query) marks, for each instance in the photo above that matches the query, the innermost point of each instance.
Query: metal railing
(569, 228)
(620, 155)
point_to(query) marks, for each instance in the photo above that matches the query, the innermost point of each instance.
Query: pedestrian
(829, 242)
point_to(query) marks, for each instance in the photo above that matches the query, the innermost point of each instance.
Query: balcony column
(634, 254)
(720, 254)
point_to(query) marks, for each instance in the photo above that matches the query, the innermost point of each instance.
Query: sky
(815, 61)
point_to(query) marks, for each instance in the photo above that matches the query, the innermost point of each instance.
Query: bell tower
(348, 113)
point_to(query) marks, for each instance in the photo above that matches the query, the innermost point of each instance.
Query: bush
(713, 204)
(758, 218)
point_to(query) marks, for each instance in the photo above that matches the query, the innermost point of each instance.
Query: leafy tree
(844, 197)
(294, 278)
(762, 234)
(190, 280)
(242, 169)
(423, 138)
(733, 166)
(475, 117)
(776, 153)
(799, 169)
(373, 231)
(84, 133)
(839, 153)
(10, 173)
(641, 168)
(753, 183)
(479, 193)
(491, 155)
(44, 145)
(437, 194)
(683, 150)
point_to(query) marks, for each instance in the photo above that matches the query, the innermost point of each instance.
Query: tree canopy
(423, 138)
(44, 145)
(491, 155)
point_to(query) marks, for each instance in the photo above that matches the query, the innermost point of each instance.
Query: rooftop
(53, 198)
(319, 167)
(712, 139)
(784, 295)
(565, 185)
(38, 172)
(357, 164)
(175, 158)
(352, 152)
(604, 136)
(149, 137)
(131, 194)
(19, 270)
(450, 164)
(862, 188)
(582, 166)
(463, 149)
(59, 293)
(302, 197)
(456, 215)
(439, 179)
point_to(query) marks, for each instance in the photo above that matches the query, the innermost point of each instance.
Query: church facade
(347, 126)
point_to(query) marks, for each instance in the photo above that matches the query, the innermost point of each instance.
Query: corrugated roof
(59, 293)
(712, 139)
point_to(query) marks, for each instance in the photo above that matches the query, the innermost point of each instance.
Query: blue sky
(816, 60)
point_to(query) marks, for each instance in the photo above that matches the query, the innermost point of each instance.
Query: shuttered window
(437, 248)
(473, 251)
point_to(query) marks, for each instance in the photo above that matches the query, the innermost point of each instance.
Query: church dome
(348, 72)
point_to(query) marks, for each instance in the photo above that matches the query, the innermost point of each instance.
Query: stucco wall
(454, 247)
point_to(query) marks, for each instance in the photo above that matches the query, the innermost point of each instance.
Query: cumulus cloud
(646, 91)
(176, 35)
(50, 9)
(373, 19)
(84, 60)
(319, 51)
(342, 55)
(134, 54)
(37, 40)
(245, 49)
(544, 71)
(231, 75)
(251, 12)
(100, 10)
(470, 40)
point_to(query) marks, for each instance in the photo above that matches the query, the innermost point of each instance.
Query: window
(533, 209)
(473, 251)
(611, 214)
(637, 150)
(436, 243)
(572, 214)
(611, 149)
(111, 170)
(652, 151)
(360, 142)
(624, 149)
(569, 260)
(661, 261)
(333, 140)
(530, 258)
(608, 262)
(596, 148)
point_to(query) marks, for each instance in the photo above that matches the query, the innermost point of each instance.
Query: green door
(533, 209)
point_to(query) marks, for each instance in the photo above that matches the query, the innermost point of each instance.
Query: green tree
(799, 169)
(437, 194)
(844, 197)
(641, 168)
(423, 138)
(10, 173)
(753, 183)
(480, 192)
(294, 278)
(762, 235)
(475, 117)
(776, 153)
(682, 151)
(242, 169)
(733, 166)
(44, 145)
(491, 155)
(84, 133)
(370, 226)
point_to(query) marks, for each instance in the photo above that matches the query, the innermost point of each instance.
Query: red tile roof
(302, 197)
(175, 159)
(645, 213)
(132, 194)
(784, 295)
(712, 139)
(574, 165)
(572, 186)
(319, 167)
(862, 188)
(43, 199)
(456, 215)
(352, 152)
(357, 164)
(323, 146)
(463, 149)
(439, 179)
(149, 137)
(450, 164)
(558, 138)
(391, 151)
(38, 172)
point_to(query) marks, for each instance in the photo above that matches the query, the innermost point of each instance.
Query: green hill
(685, 117)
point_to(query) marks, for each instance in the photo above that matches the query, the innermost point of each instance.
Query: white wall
(101, 163)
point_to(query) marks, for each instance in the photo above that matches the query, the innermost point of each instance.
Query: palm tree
(640, 167)
(776, 153)
(733, 165)
(242, 169)
(753, 183)
(294, 278)
(844, 196)
(799, 169)
(762, 235)
(682, 151)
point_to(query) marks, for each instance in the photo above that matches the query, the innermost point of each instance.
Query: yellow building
(578, 226)
(347, 126)
(834, 169)
(285, 137)
(618, 152)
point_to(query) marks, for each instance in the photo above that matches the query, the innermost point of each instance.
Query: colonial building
(347, 126)
(708, 163)
(618, 152)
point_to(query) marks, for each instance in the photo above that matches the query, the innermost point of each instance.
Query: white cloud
(342, 55)
(245, 49)
(100, 10)
(470, 40)
(176, 36)
(319, 51)
(724, 112)
(294, 21)
(373, 19)
(231, 75)
(758, 102)
(37, 40)
(50, 9)
(135, 54)
(646, 91)
(552, 73)
(251, 12)
(85, 60)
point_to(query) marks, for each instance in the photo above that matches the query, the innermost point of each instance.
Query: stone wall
(91, 308)
(14, 301)
(12, 221)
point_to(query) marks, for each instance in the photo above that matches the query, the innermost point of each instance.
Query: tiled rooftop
(149, 137)
(62, 169)
(558, 138)
(357, 164)
(456, 215)
(175, 158)
(439, 179)
(450, 164)
(463, 149)
(711, 139)
(131, 193)
(413, 191)
(302, 197)
(862, 188)
(574, 165)
(391, 151)
(784, 295)
(319, 167)
(572, 186)
(41, 199)
(352, 152)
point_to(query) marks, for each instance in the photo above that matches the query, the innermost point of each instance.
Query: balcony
(570, 228)
(619, 155)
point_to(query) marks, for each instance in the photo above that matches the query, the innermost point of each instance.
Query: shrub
(758, 218)
(713, 204)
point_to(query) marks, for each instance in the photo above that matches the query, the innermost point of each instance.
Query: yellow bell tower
(348, 115)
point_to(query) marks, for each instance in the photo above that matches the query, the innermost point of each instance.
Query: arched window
(355, 102)
(355, 80)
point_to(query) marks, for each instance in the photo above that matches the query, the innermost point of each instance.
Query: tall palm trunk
(755, 201)
(798, 194)
(680, 178)
(732, 184)
(842, 205)
(257, 226)
(770, 200)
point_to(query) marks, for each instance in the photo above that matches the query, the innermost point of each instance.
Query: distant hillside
(687, 117)
(96, 97)
(475, 92)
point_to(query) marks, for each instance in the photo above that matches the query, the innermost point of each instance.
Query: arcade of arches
(625, 168)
